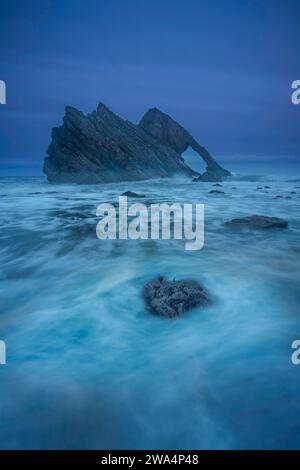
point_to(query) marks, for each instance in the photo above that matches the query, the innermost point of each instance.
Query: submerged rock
(132, 194)
(172, 298)
(216, 191)
(102, 147)
(217, 184)
(258, 222)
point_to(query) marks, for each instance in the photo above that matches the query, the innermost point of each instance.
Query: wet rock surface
(171, 299)
(167, 131)
(216, 191)
(257, 222)
(132, 194)
(102, 147)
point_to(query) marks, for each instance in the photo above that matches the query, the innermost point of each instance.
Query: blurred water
(88, 367)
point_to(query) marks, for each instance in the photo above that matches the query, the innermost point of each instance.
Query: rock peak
(102, 108)
(72, 110)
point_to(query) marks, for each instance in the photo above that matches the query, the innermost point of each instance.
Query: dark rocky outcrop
(172, 298)
(102, 147)
(258, 222)
(132, 194)
(167, 131)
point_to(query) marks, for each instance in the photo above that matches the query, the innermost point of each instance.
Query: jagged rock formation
(167, 131)
(102, 147)
(172, 298)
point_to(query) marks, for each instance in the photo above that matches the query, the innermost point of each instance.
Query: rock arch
(167, 131)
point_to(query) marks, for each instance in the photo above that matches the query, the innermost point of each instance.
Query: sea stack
(101, 147)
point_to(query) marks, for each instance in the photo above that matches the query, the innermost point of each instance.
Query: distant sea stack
(101, 147)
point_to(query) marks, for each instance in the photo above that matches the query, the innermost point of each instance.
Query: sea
(89, 367)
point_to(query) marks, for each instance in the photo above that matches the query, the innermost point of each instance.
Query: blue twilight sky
(222, 68)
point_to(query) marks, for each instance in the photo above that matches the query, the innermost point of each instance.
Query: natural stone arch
(191, 158)
(167, 131)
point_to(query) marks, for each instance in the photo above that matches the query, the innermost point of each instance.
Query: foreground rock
(172, 298)
(258, 222)
(132, 194)
(101, 147)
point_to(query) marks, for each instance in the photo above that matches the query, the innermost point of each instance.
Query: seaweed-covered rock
(258, 222)
(172, 298)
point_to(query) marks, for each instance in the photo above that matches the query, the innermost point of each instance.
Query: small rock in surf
(216, 191)
(132, 194)
(257, 222)
(170, 299)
